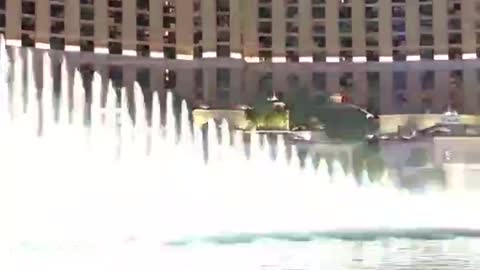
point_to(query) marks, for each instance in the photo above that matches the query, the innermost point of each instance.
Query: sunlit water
(119, 193)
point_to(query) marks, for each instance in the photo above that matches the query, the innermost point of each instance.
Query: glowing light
(333, 59)
(305, 59)
(42, 45)
(184, 57)
(251, 59)
(101, 50)
(129, 52)
(279, 59)
(386, 59)
(155, 54)
(209, 54)
(469, 56)
(359, 59)
(440, 57)
(72, 48)
(413, 58)
(235, 55)
(14, 42)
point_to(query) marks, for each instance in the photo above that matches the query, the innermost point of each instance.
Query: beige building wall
(305, 46)
(72, 25)
(250, 32)
(101, 22)
(331, 22)
(236, 18)
(184, 29)
(209, 26)
(129, 27)
(412, 25)
(469, 15)
(385, 29)
(278, 29)
(42, 24)
(156, 28)
(358, 29)
(13, 20)
(440, 20)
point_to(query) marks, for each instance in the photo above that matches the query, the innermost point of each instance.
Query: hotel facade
(394, 55)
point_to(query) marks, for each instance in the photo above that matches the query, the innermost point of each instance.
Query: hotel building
(390, 55)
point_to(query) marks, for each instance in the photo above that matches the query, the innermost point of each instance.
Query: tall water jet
(64, 113)
(186, 131)
(32, 96)
(155, 127)
(4, 87)
(78, 100)
(48, 106)
(18, 100)
(170, 125)
(96, 108)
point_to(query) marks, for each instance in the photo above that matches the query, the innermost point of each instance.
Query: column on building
(332, 34)
(236, 29)
(386, 90)
(440, 33)
(156, 29)
(210, 84)
(469, 40)
(385, 31)
(101, 26)
(280, 85)
(305, 41)
(236, 85)
(42, 24)
(442, 85)
(209, 28)
(13, 22)
(249, 11)
(414, 89)
(251, 79)
(333, 81)
(360, 95)
(72, 25)
(471, 93)
(185, 83)
(412, 28)
(129, 27)
(279, 34)
(358, 31)
(184, 29)
(306, 77)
